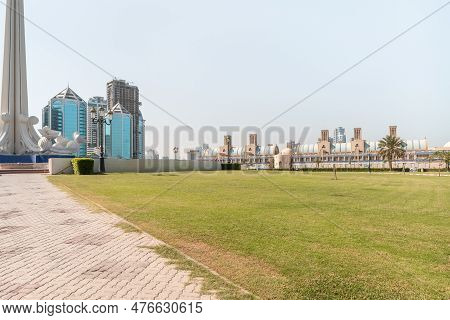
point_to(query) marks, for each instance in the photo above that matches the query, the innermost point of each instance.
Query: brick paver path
(52, 247)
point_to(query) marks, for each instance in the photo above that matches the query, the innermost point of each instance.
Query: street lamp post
(101, 118)
(229, 149)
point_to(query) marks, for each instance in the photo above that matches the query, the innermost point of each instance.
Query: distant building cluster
(355, 153)
(151, 154)
(327, 152)
(197, 153)
(124, 137)
(253, 155)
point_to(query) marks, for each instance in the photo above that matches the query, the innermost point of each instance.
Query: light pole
(175, 151)
(101, 118)
(229, 149)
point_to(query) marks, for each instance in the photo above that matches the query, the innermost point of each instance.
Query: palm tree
(391, 148)
(444, 156)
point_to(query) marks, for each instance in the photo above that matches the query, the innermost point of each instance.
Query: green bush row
(83, 166)
(231, 166)
(434, 170)
(351, 170)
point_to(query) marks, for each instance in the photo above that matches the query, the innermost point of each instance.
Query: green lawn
(295, 235)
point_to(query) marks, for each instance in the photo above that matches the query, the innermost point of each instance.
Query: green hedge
(435, 170)
(231, 166)
(352, 170)
(83, 166)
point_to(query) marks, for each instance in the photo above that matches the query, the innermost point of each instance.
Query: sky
(241, 63)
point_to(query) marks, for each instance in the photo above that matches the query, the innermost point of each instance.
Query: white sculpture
(61, 145)
(45, 144)
(17, 133)
(46, 132)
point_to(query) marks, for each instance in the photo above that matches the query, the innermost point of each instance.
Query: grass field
(295, 235)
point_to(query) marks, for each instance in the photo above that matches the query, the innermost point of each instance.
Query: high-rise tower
(339, 135)
(120, 91)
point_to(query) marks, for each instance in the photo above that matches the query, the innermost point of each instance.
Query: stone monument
(17, 133)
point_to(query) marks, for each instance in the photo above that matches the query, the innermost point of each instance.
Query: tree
(318, 162)
(443, 156)
(391, 148)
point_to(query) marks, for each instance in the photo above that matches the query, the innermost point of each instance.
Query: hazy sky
(243, 62)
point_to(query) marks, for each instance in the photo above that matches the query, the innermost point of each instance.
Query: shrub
(83, 166)
(231, 166)
(352, 170)
(434, 170)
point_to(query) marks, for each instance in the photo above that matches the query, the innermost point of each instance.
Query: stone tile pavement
(54, 248)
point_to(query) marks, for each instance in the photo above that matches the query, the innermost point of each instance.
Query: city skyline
(405, 84)
(69, 113)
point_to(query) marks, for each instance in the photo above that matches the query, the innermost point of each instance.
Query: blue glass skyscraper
(119, 135)
(141, 137)
(67, 113)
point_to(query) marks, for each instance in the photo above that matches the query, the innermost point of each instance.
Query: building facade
(120, 91)
(197, 153)
(67, 113)
(141, 137)
(251, 157)
(358, 153)
(193, 155)
(93, 130)
(119, 135)
(339, 135)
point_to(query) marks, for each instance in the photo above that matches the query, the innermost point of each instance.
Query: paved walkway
(52, 247)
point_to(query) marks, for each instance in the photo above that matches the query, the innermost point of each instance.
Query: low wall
(63, 166)
(29, 159)
(24, 166)
(60, 166)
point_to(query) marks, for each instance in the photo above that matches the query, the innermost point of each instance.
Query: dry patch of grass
(266, 280)
(211, 283)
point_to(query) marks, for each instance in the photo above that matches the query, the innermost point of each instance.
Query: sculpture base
(33, 158)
